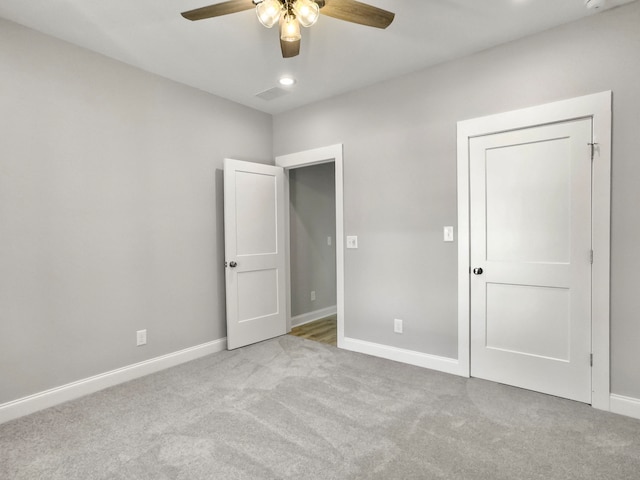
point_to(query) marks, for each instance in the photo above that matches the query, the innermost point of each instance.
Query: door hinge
(593, 149)
(591, 359)
(591, 257)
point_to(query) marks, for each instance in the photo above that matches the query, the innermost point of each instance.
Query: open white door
(254, 252)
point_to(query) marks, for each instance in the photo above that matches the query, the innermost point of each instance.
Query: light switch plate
(448, 234)
(352, 241)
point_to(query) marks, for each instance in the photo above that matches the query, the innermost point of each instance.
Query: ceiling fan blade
(290, 49)
(219, 9)
(358, 12)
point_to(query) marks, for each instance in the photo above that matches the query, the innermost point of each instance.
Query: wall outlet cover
(397, 325)
(141, 337)
(352, 241)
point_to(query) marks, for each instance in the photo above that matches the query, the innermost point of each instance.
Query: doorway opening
(312, 254)
(314, 243)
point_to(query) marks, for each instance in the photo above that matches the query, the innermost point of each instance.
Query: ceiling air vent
(272, 93)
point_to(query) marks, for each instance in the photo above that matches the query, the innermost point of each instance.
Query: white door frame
(597, 107)
(332, 153)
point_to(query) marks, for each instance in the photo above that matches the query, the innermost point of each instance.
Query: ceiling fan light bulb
(289, 28)
(268, 12)
(307, 12)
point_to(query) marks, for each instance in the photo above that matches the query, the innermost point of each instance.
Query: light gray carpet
(290, 408)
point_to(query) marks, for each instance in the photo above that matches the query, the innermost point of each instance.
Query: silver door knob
(477, 271)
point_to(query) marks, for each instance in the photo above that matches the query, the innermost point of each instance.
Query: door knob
(477, 271)
(233, 264)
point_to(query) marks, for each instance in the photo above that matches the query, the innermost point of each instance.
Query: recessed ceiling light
(287, 81)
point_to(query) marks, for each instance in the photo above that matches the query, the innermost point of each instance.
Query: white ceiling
(236, 57)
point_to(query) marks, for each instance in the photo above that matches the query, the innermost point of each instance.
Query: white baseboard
(55, 396)
(625, 406)
(313, 316)
(433, 362)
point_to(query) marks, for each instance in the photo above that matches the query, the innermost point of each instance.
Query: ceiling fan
(290, 14)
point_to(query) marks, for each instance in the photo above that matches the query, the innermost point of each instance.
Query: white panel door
(530, 207)
(254, 252)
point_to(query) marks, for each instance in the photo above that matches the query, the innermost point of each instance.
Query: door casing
(331, 153)
(597, 107)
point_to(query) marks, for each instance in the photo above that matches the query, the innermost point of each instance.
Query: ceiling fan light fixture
(290, 14)
(269, 12)
(289, 28)
(307, 12)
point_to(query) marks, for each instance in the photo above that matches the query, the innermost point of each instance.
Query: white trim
(55, 396)
(310, 157)
(313, 316)
(598, 107)
(424, 360)
(625, 406)
(601, 241)
(287, 247)
(332, 153)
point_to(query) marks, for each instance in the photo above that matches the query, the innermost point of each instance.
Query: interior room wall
(312, 219)
(400, 176)
(110, 211)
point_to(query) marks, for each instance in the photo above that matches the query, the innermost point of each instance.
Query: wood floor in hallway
(324, 330)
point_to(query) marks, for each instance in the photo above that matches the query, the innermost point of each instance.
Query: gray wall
(110, 211)
(312, 219)
(400, 176)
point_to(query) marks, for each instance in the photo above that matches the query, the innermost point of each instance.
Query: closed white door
(530, 207)
(254, 252)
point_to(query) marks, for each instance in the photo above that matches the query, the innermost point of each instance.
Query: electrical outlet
(313, 296)
(141, 337)
(352, 241)
(397, 325)
(329, 241)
